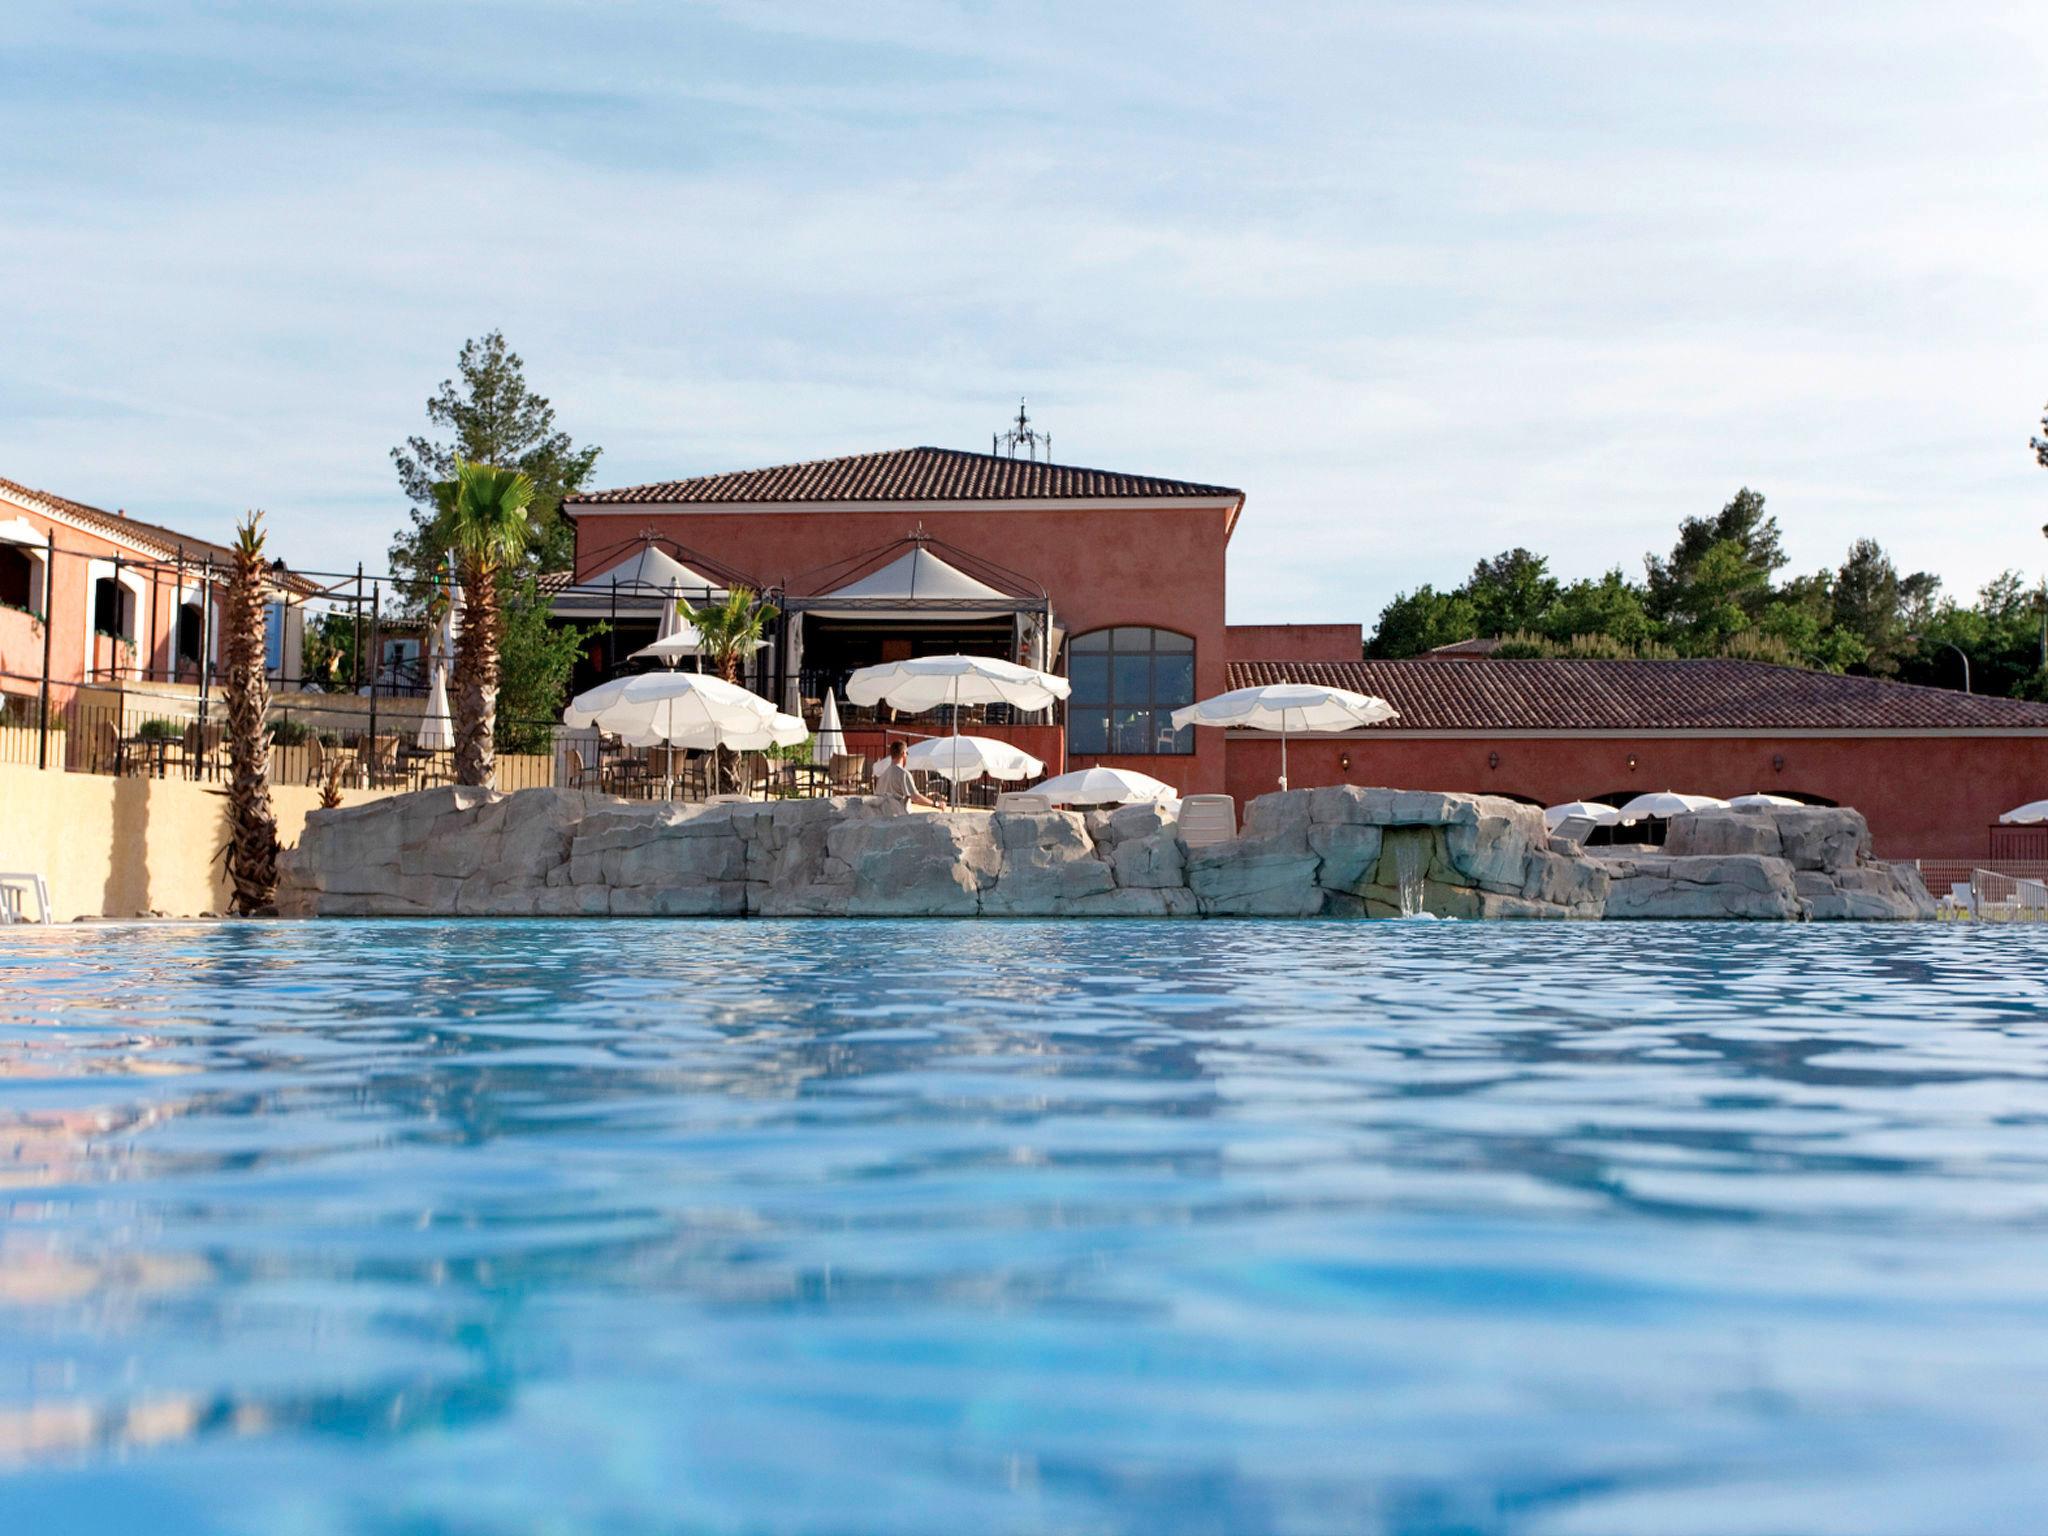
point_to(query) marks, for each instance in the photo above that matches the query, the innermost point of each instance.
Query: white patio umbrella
(437, 728)
(1759, 801)
(925, 682)
(1596, 811)
(1288, 707)
(1104, 786)
(1664, 802)
(830, 741)
(2032, 811)
(672, 708)
(963, 759)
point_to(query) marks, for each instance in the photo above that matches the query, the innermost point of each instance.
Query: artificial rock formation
(1340, 851)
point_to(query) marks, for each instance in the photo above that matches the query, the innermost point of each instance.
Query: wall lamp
(1493, 759)
(1631, 762)
(1778, 762)
(1344, 761)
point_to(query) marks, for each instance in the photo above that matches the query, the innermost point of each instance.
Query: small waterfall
(1411, 865)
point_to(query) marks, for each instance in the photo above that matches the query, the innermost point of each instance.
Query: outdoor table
(155, 751)
(806, 777)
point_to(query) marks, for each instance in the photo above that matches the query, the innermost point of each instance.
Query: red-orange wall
(1103, 566)
(21, 640)
(1295, 642)
(1925, 797)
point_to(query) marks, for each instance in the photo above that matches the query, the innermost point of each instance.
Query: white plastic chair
(15, 885)
(1021, 803)
(1206, 819)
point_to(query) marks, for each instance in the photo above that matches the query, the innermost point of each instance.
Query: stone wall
(1342, 851)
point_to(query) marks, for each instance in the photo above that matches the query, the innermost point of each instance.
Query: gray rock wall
(1306, 853)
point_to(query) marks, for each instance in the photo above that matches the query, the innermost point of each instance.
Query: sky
(1427, 280)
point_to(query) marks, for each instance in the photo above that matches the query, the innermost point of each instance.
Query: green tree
(1510, 591)
(536, 657)
(489, 416)
(1610, 608)
(483, 522)
(1723, 593)
(1422, 620)
(1753, 534)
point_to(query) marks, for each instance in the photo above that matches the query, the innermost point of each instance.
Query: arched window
(1127, 683)
(113, 608)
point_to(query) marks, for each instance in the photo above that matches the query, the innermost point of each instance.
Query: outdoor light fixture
(1631, 762)
(1493, 759)
(1344, 761)
(1778, 762)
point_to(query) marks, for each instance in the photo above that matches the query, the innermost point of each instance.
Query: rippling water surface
(954, 1228)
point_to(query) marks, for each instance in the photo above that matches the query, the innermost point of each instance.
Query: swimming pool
(480, 1227)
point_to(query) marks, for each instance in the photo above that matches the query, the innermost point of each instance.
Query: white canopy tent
(915, 576)
(648, 576)
(1287, 708)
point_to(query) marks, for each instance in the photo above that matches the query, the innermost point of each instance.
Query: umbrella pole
(1283, 749)
(953, 784)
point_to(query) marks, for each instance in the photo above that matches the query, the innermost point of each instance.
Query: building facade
(1118, 582)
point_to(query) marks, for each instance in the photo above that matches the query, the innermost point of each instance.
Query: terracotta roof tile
(1443, 695)
(906, 474)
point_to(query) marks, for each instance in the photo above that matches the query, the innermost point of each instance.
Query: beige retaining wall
(131, 846)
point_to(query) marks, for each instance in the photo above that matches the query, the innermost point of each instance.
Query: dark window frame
(1115, 642)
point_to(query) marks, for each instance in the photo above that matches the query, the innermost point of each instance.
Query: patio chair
(576, 774)
(1207, 819)
(109, 754)
(14, 885)
(316, 760)
(849, 773)
(1018, 803)
(202, 750)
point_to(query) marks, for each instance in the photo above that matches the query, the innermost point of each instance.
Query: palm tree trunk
(476, 676)
(252, 846)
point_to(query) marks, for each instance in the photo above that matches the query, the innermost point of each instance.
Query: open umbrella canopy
(830, 740)
(1759, 801)
(963, 759)
(1664, 802)
(2033, 810)
(1595, 811)
(1287, 708)
(926, 682)
(653, 707)
(674, 638)
(778, 730)
(1104, 786)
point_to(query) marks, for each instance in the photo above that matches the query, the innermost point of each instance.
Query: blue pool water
(492, 1227)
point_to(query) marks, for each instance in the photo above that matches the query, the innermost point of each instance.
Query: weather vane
(1021, 435)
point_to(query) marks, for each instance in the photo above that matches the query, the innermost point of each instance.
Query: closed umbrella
(673, 709)
(926, 682)
(963, 759)
(1595, 811)
(1104, 786)
(674, 638)
(437, 728)
(1288, 708)
(830, 742)
(1664, 802)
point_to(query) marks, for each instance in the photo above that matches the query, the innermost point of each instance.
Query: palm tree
(483, 512)
(252, 846)
(728, 633)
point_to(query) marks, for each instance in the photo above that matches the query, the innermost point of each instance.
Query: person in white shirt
(893, 783)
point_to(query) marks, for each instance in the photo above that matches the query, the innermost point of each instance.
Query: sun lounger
(1206, 819)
